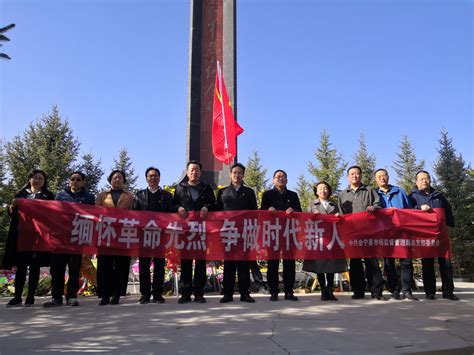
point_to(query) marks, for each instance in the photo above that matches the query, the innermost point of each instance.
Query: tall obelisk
(212, 38)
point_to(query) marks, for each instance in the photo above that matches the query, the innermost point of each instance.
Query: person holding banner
(425, 198)
(113, 270)
(281, 199)
(326, 268)
(153, 198)
(236, 197)
(193, 195)
(358, 197)
(35, 188)
(75, 193)
(395, 197)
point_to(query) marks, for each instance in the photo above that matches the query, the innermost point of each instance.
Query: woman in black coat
(36, 188)
(326, 268)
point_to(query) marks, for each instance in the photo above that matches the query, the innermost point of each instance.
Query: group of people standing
(195, 195)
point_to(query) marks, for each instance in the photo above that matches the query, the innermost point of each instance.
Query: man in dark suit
(281, 199)
(425, 198)
(236, 197)
(193, 195)
(153, 198)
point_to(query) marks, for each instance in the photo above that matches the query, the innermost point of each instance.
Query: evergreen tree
(305, 193)
(124, 163)
(93, 171)
(255, 173)
(330, 165)
(49, 145)
(366, 161)
(455, 180)
(406, 166)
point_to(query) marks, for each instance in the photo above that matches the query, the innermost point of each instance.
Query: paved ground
(305, 327)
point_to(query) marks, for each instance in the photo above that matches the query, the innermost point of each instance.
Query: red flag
(225, 128)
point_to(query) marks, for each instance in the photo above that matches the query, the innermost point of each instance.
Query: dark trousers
(58, 269)
(374, 276)
(186, 279)
(112, 275)
(20, 279)
(288, 276)
(243, 270)
(147, 287)
(256, 274)
(429, 277)
(326, 281)
(396, 283)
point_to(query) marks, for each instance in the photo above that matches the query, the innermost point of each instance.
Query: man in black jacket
(75, 193)
(193, 195)
(281, 199)
(153, 198)
(425, 198)
(236, 197)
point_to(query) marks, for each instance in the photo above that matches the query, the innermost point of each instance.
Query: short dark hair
(33, 173)
(83, 176)
(238, 165)
(193, 162)
(380, 169)
(109, 179)
(315, 187)
(280, 171)
(152, 168)
(354, 167)
(422, 171)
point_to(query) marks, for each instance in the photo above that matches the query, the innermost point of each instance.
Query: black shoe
(199, 299)
(379, 297)
(29, 301)
(226, 299)
(115, 300)
(158, 299)
(410, 297)
(357, 296)
(291, 297)
(396, 296)
(274, 297)
(324, 295)
(430, 297)
(332, 297)
(104, 301)
(15, 302)
(184, 299)
(55, 302)
(144, 300)
(451, 297)
(246, 298)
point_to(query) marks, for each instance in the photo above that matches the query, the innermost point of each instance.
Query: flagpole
(226, 144)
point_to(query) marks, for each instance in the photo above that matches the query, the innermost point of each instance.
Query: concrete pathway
(308, 326)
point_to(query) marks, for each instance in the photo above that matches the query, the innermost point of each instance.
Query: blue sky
(118, 71)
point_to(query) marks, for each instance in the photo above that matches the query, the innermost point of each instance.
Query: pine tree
(92, 170)
(406, 166)
(456, 181)
(330, 165)
(124, 163)
(366, 161)
(255, 173)
(49, 145)
(304, 191)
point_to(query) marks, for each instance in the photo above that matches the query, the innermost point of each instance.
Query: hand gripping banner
(63, 227)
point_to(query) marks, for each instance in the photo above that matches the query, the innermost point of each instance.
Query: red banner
(63, 227)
